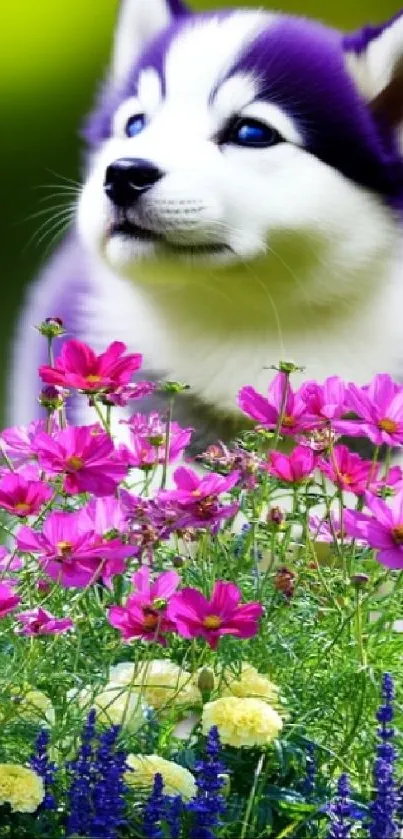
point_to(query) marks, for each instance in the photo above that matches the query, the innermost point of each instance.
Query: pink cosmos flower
(148, 592)
(323, 531)
(292, 468)
(8, 600)
(393, 480)
(17, 441)
(145, 613)
(86, 455)
(246, 463)
(326, 402)
(383, 530)
(125, 394)
(8, 562)
(79, 367)
(195, 616)
(267, 411)
(191, 488)
(40, 622)
(106, 516)
(198, 498)
(147, 522)
(134, 507)
(379, 407)
(348, 470)
(21, 497)
(71, 554)
(140, 454)
(148, 440)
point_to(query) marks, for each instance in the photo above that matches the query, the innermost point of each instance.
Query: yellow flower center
(212, 622)
(150, 622)
(22, 508)
(75, 462)
(93, 380)
(288, 421)
(397, 533)
(150, 619)
(388, 425)
(64, 548)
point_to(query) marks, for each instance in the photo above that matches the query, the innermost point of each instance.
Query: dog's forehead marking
(204, 50)
(234, 94)
(149, 90)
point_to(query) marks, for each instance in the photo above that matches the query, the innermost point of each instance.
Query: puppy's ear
(139, 22)
(374, 58)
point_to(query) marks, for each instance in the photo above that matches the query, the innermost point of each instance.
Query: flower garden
(203, 649)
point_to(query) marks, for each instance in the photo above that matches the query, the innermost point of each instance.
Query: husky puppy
(241, 204)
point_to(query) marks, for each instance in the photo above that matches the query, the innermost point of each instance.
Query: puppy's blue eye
(252, 133)
(135, 125)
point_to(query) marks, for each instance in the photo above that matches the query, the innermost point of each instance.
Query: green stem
(100, 414)
(167, 443)
(251, 798)
(50, 351)
(358, 629)
(282, 412)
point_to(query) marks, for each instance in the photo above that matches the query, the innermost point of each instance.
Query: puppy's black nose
(128, 178)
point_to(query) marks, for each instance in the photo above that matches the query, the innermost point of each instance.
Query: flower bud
(51, 398)
(359, 580)
(287, 367)
(43, 585)
(51, 328)
(160, 604)
(206, 681)
(178, 561)
(157, 440)
(284, 581)
(171, 388)
(276, 516)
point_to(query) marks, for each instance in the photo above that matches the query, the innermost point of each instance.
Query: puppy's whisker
(273, 307)
(65, 196)
(292, 274)
(63, 177)
(47, 227)
(61, 188)
(62, 229)
(58, 224)
(49, 211)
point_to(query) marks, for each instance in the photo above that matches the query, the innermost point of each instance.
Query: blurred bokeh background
(52, 57)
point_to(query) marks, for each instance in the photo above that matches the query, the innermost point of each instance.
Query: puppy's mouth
(130, 230)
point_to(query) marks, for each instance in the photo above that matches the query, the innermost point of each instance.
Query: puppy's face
(229, 132)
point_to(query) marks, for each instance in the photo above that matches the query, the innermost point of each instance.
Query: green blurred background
(52, 57)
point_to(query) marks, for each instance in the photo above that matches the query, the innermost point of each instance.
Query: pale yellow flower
(160, 681)
(242, 722)
(144, 768)
(21, 788)
(249, 683)
(114, 705)
(34, 706)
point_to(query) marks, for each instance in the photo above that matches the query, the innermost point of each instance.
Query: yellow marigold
(160, 681)
(34, 706)
(114, 705)
(144, 768)
(21, 788)
(249, 683)
(242, 722)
